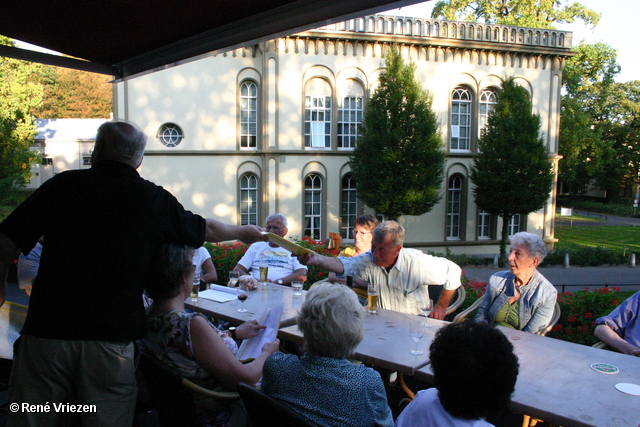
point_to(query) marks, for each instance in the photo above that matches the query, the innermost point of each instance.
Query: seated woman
(362, 235)
(188, 342)
(323, 385)
(521, 298)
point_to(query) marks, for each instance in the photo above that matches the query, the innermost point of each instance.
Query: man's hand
(253, 233)
(438, 313)
(309, 259)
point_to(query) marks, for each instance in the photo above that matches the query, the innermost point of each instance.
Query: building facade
(270, 127)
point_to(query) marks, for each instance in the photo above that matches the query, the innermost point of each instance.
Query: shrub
(225, 257)
(585, 257)
(579, 311)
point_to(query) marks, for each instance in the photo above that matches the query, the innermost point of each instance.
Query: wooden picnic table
(557, 384)
(258, 300)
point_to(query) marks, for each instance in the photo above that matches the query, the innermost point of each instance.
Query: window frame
(450, 215)
(246, 145)
(323, 127)
(248, 189)
(455, 115)
(348, 203)
(312, 229)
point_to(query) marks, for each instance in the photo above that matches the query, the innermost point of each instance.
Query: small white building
(64, 144)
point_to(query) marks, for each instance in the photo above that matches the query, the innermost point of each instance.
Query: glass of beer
(195, 287)
(372, 297)
(264, 273)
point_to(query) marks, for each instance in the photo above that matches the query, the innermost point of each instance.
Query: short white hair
(277, 216)
(531, 242)
(331, 320)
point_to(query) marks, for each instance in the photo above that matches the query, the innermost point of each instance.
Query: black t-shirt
(102, 227)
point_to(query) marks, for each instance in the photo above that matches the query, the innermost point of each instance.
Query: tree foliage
(20, 92)
(523, 13)
(512, 172)
(73, 94)
(398, 163)
(598, 123)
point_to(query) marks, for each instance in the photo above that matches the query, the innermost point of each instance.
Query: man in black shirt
(103, 226)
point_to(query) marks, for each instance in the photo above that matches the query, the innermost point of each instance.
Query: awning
(125, 38)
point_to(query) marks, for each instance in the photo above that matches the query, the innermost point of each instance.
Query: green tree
(523, 13)
(512, 173)
(73, 94)
(20, 92)
(398, 163)
(590, 122)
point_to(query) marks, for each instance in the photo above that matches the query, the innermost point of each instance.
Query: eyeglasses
(273, 228)
(356, 232)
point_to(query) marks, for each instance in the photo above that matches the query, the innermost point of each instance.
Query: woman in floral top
(188, 342)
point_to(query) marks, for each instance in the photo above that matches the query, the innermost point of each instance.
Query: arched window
(313, 206)
(248, 115)
(454, 207)
(317, 114)
(350, 113)
(488, 101)
(249, 199)
(461, 119)
(348, 206)
(170, 135)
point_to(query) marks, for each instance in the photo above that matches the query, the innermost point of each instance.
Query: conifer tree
(398, 163)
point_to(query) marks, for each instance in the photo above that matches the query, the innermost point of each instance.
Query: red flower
(614, 303)
(572, 319)
(588, 315)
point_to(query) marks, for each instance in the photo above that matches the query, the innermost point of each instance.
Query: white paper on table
(252, 347)
(219, 293)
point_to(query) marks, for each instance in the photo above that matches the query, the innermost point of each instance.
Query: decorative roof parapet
(390, 25)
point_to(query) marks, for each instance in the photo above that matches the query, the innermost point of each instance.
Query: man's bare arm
(219, 232)
(332, 264)
(440, 309)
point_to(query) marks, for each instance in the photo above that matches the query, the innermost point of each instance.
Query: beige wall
(202, 98)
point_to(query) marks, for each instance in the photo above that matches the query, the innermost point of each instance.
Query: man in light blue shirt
(400, 275)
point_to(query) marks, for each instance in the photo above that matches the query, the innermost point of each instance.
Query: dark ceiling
(125, 38)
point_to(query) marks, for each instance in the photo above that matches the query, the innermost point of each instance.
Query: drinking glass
(242, 293)
(426, 306)
(416, 330)
(233, 279)
(297, 288)
(372, 299)
(264, 274)
(195, 287)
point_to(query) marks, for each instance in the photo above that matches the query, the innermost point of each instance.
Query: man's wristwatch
(232, 332)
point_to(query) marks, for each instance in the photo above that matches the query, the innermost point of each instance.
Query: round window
(170, 135)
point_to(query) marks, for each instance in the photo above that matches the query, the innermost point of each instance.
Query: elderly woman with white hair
(520, 298)
(323, 386)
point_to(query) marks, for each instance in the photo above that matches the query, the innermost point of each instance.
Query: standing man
(400, 274)
(283, 268)
(103, 226)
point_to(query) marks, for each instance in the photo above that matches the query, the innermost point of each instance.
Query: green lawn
(609, 237)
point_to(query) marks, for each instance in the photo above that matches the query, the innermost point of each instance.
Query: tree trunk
(502, 261)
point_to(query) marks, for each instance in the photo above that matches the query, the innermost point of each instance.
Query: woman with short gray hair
(323, 386)
(521, 298)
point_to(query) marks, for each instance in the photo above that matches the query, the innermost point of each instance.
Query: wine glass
(233, 279)
(416, 330)
(242, 293)
(426, 306)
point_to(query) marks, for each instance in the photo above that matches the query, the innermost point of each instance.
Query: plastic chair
(168, 391)
(265, 411)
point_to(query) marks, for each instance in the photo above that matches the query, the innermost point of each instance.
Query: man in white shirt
(400, 275)
(283, 268)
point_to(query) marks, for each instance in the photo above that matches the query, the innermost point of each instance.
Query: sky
(618, 20)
